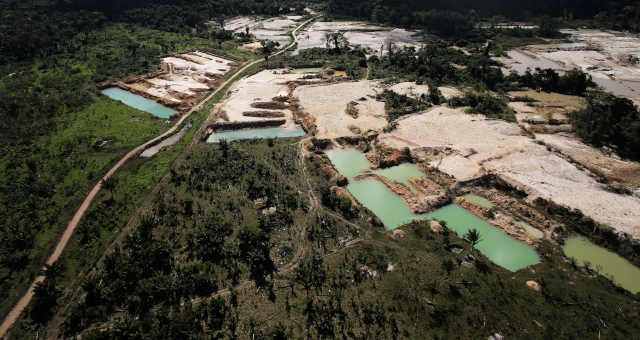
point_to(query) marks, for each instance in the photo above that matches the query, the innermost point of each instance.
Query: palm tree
(473, 236)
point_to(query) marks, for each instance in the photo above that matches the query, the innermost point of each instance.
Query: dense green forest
(58, 135)
(459, 16)
(206, 230)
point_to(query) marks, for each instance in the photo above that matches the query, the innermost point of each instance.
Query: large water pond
(138, 102)
(494, 244)
(276, 132)
(401, 173)
(607, 263)
(386, 205)
(348, 162)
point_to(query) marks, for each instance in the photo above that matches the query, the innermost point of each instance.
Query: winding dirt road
(15, 312)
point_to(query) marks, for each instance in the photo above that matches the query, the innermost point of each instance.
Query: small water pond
(533, 232)
(276, 132)
(495, 244)
(401, 173)
(386, 205)
(138, 102)
(348, 162)
(607, 263)
(479, 200)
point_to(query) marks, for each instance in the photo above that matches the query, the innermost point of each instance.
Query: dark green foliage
(46, 294)
(398, 105)
(573, 82)
(609, 121)
(352, 61)
(486, 104)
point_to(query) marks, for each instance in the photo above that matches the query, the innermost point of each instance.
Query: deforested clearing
(328, 104)
(500, 147)
(253, 94)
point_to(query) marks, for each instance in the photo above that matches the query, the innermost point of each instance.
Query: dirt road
(15, 312)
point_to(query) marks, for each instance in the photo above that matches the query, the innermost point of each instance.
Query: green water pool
(308, 69)
(495, 244)
(401, 173)
(348, 162)
(607, 263)
(138, 102)
(479, 200)
(534, 232)
(255, 134)
(386, 205)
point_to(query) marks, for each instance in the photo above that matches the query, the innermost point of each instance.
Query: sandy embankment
(328, 104)
(250, 98)
(501, 148)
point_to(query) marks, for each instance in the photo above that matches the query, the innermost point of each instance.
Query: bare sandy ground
(275, 29)
(189, 75)
(603, 55)
(499, 147)
(413, 90)
(328, 103)
(261, 87)
(358, 33)
(547, 106)
(611, 166)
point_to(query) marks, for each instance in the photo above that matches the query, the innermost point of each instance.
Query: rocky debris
(436, 227)
(269, 211)
(260, 203)
(427, 197)
(352, 109)
(387, 157)
(454, 248)
(496, 336)
(398, 233)
(263, 114)
(534, 285)
(468, 261)
(390, 267)
(368, 272)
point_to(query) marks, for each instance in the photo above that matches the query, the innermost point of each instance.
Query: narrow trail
(15, 312)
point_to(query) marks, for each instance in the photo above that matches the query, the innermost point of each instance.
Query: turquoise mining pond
(138, 102)
(348, 162)
(479, 200)
(386, 205)
(401, 173)
(276, 132)
(495, 244)
(605, 262)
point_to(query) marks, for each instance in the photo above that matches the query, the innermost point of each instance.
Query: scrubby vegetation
(350, 60)
(609, 121)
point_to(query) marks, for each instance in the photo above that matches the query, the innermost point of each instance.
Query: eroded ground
(449, 135)
(609, 57)
(184, 79)
(372, 38)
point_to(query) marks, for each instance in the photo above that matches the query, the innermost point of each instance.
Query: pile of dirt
(270, 105)
(263, 114)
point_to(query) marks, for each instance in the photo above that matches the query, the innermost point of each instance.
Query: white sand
(501, 149)
(327, 103)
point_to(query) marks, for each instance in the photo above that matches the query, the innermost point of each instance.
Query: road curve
(15, 312)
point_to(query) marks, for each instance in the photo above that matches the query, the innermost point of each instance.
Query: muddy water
(138, 102)
(348, 162)
(495, 244)
(479, 200)
(604, 261)
(277, 132)
(386, 205)
(401, 173)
